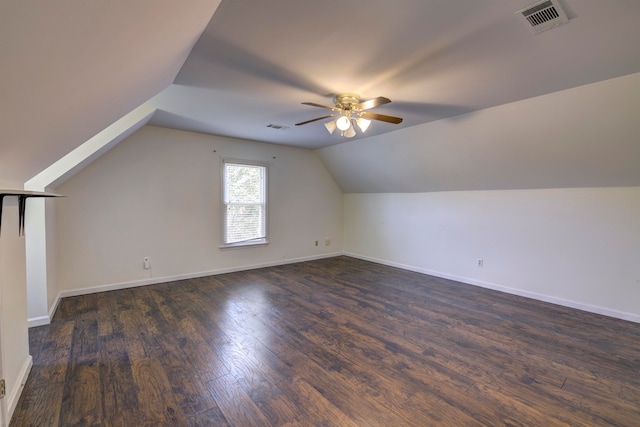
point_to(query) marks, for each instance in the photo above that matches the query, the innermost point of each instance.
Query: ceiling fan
(349, 111)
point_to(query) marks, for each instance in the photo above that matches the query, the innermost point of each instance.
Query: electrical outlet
(316, 243)
(480, 262)
(146, 262)
(327, 241)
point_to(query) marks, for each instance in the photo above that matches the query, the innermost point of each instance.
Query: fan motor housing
(346, 100)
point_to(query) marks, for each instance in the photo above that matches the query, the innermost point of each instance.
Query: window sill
(244, 244)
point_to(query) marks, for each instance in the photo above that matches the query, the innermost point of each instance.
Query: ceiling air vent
(279, 127)
(543, 15)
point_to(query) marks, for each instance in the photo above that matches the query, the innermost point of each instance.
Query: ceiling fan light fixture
(343, 123)
(350, 113)
(330, 125)
(363, 124)
(350, 133)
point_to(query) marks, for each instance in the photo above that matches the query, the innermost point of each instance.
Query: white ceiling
(258, 60)
(70, 68)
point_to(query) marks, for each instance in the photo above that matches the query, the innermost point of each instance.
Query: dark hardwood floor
(334, 342)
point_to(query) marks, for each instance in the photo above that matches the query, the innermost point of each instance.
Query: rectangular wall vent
(279, 127)
(543, 15)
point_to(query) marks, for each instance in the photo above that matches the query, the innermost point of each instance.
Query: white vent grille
(543, 15)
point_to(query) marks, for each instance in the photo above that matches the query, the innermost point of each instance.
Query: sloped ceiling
(258, 60)
(70, 68)
(580, 137)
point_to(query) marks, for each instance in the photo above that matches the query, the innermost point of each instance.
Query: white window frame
(224, 203)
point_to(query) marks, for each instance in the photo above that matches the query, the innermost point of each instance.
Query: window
(244, 195)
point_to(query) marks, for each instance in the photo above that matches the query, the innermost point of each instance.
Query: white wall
(15, 359)
(41, 257)
(37, 254)
(52, 256)
(576, 247)
(157, 194)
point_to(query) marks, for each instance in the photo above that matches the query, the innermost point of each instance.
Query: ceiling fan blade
(313, 104)
(381, 117)
(314, 120)
(381, 100)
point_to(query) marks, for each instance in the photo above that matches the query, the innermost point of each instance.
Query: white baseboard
(45, 320)
(54, 306)
(496, 287)
(16, 390)
(39, 321)
(158, 280)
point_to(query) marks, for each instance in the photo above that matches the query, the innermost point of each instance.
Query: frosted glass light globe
(363, 124)
(331, 126)
(343, 123)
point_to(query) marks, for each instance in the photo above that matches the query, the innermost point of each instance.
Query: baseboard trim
(165, 279)
(45, 320)
(493, 286)
(16, 391)
(631, 317)
(39, 321)
(54, 307)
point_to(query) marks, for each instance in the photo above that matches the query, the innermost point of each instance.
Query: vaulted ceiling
(70, 68)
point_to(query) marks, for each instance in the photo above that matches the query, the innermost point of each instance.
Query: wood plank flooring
(335, 342)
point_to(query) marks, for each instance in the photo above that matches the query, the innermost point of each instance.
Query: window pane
(244, 184)
(244, 222)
